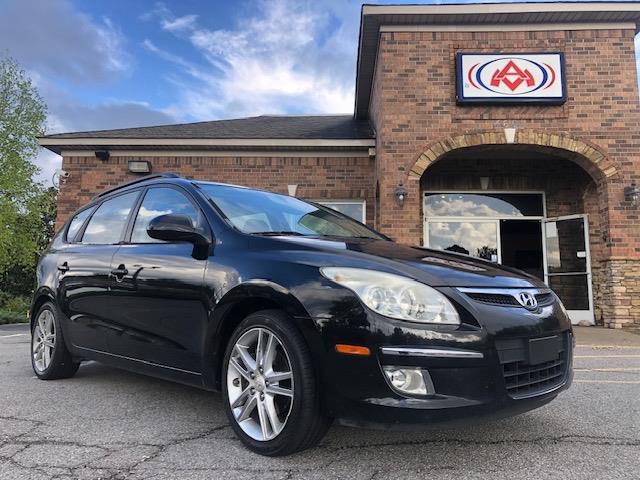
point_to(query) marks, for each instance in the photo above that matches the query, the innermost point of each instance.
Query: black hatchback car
(299, 314)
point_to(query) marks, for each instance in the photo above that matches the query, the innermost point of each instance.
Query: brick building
(511, 131)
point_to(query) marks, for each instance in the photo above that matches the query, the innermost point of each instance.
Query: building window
(493, 205)
(355, 209)
(500, 227)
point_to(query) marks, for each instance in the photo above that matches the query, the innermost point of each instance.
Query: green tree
(25, 205)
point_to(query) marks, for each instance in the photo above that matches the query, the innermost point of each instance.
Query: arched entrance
(528, 200)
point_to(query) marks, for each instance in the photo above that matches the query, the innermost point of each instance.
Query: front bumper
(486, 369)
(465, 387)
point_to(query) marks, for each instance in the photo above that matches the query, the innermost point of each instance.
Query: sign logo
(510, 78)
(527, 300)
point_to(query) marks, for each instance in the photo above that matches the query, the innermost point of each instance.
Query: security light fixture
(400, 194)
(139, 166)
(102, 155)
(632, 194)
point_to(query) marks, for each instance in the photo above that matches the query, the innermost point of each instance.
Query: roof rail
(138, 180)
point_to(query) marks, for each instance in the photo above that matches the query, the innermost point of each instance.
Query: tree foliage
(27, 209)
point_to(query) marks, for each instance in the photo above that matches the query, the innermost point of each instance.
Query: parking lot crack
(160, 449)
(574, 438)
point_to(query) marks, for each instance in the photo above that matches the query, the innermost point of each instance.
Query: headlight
(395, 296)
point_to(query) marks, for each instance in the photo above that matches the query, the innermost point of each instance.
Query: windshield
(265, 213)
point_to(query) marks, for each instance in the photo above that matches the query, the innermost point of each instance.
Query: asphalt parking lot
(106, 423)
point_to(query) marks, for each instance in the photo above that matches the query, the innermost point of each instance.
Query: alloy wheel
(44, 340)
(260, 384)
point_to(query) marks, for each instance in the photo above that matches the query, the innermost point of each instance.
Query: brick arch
(588, 156)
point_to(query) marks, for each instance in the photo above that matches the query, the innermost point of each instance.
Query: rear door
(158, 300)
(84, 269)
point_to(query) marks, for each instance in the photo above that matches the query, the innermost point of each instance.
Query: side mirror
(176, 228)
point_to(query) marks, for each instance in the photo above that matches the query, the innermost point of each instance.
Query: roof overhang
(59, 144)
(478, 17)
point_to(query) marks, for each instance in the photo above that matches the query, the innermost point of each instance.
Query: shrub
(13, 309)
(7, 316)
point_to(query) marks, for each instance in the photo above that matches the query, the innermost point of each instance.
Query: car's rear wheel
(50, 357)
(269, 386)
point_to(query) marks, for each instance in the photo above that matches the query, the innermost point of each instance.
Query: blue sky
(119, 63)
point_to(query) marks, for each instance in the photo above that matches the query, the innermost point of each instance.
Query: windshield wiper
(280, 232)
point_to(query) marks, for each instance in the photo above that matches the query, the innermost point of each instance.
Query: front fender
(241, 301)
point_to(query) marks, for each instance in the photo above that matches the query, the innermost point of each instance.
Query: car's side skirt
(144, 367)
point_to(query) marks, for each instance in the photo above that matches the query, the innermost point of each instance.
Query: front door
(568, 264)
(158, 301)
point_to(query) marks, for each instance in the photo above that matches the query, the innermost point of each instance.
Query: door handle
(64, 268)
(119, 272)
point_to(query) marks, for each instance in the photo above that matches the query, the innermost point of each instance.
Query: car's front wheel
(269, 386)
(50, 358)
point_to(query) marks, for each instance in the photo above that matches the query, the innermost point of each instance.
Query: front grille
(544, 298)
(506, 299)
(494, 298)
(527, 371)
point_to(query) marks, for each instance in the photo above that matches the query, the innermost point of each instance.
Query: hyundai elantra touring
(298, 314)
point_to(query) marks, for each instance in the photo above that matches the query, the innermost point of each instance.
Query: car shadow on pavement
(146, 394)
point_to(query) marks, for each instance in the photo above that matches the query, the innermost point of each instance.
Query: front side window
(108, 223)
(258, 212)
(161, 201)
(351, 208)
(76, 223)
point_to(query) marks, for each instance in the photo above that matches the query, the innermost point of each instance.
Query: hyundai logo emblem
(528, 300)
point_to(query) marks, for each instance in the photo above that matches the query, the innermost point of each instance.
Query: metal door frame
(575, 315)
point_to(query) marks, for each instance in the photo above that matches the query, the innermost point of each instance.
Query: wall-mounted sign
(510, 78)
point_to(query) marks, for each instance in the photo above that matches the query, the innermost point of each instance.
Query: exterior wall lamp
(632, 194)
(102, 155)
(139, 166)
(401, 194)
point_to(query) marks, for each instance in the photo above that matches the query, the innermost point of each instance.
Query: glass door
(568, 264)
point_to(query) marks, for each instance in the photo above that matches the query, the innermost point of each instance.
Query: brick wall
(317, 177)
(413, 107)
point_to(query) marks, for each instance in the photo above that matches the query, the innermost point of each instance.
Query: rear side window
(108, 223)
(76, 223)
(161, 201)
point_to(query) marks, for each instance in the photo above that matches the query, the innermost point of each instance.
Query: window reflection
(566, 247)
(160, 201)
(107, 224)
(483, 205)
(478, 239)
(353, 209)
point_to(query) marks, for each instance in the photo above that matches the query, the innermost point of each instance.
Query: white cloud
(55, 39)
(180, 23)
(67, 114)
(290, 56)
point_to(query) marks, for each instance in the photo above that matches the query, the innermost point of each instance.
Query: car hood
(433, 267)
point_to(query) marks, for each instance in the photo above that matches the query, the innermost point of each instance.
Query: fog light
(410, 381)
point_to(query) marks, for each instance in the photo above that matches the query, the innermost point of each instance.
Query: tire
(298, 423)
(50, 358)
